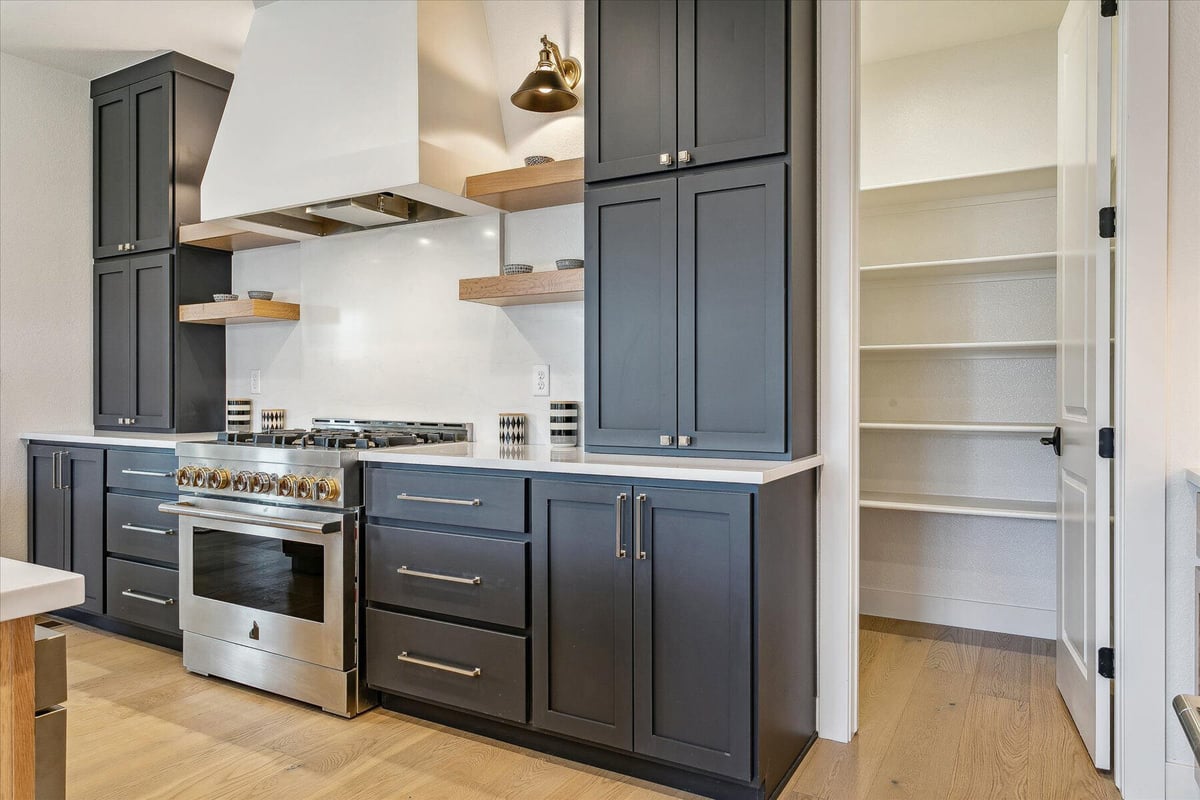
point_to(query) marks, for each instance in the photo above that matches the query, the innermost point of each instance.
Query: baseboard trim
(1021, 620)
(1181, 782)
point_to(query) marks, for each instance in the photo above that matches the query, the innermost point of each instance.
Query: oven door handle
(190, 510)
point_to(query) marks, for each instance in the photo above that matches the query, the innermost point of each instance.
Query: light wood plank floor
(945, 713)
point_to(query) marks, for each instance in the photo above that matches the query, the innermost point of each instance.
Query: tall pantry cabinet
(153, 127)
(699, 234)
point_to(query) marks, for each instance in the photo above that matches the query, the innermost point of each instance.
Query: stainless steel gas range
(269, 559)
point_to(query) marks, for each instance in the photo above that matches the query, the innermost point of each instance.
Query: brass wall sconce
(548, 87)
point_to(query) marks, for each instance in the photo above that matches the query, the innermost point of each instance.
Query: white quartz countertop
(166, 441)
(1193, 476)
(574, 461)
(27, 589)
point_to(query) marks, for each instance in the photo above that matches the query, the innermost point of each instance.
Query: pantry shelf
(955, 504)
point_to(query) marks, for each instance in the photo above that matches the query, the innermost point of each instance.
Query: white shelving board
(954, 504)
(1010, 265)
(1040, 347)
(961, 427)
(959, 187)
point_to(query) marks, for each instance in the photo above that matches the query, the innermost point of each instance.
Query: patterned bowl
(569, 263)
(258, 294)
(533, 161)
(222, 298)
(516, 269)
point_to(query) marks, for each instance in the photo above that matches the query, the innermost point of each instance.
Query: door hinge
(1108, 222)
(1107, 446)
(1104, 663)
(1108, 8)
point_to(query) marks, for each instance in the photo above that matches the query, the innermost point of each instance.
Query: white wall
(1183, 343)
(981, 107)
(45, 268)
(383, 335)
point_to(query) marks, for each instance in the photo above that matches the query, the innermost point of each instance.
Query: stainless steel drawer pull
(621, 498)
(302, 526)
(446, 501)
(129, 526)
(638, 524)
(147, 474)
(149, 598)
(433, 576)
(421, 662)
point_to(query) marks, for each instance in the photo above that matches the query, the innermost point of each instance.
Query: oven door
(269, 577)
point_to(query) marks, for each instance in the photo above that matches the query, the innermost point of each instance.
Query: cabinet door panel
(630, 118)
(151, 202)
(630, 310)
(47, 509)
(732, 79)
(111, 189)
(113, 349)
(733, 309)
(153, 339)
(84, 486)
(582, 612)
(692, 629)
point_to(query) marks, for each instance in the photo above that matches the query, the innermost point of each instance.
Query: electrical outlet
(256, 381)
(541, 380)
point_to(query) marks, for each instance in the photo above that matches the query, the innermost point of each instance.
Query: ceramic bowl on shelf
(258, 294)
(533, 161)
(224, 298)
(569, 263)
(516, 269)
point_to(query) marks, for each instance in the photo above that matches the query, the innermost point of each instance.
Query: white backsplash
(383, 335)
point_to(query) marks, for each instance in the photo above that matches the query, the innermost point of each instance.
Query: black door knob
(1054, 441)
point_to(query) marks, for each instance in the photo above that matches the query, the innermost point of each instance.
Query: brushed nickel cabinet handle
(664, 159)
(447, 501)
(148, 474)
(621, 524)
(64, 456)
(684, 157)
(149, 598)
(434, 576)
(665, 440)
(639, 524)
(685, 441)
(423, 662)
(129, 526)
(54, 469)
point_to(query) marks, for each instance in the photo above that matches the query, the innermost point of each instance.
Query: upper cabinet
(684, 84)
(153, 128)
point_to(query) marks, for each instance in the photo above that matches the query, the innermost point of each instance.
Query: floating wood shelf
(220, 235)
(1013, 265)
(959, 187)
(1038, 348)
(238, 312)
(558, 286)
(555, 184)
(961, 427)
(955, 504)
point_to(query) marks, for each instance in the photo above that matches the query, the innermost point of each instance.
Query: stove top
(350, 434)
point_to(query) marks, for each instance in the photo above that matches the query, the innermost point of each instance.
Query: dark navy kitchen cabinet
(151, 144)
(66, 514)
(111, 175)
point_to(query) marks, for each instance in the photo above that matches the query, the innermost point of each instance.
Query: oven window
(257, 572)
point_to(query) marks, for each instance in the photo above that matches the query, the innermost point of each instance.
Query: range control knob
(287, 485)
(328, 489)
(184, 476)
(260, 483)
(200, 477)
(241, 481)
(305, 486)
(218, 478)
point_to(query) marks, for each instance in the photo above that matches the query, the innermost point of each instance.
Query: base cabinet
(66, 514)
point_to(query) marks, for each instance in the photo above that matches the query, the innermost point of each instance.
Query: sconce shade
(548, 88)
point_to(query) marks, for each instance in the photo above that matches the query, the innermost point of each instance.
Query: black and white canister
(239, 415)
(512, 429)
(272, 419)
(564, 423)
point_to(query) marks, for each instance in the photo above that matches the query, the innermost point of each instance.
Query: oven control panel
(313, 486)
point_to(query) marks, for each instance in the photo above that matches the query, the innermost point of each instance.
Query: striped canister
(239, 417)
(564, 423)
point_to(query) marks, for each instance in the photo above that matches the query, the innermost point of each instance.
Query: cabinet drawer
(447, 573)
(447, 498)
(137, 528)
(143, 594)
(459, 666)
(148, 472)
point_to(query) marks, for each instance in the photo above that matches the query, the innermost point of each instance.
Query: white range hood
(345, 115)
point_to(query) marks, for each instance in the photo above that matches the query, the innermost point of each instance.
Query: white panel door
(1084, 398)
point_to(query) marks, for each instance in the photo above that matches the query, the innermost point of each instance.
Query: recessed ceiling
(896, 28)
(101, 36)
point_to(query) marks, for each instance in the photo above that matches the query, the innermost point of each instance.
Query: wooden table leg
(16, 709)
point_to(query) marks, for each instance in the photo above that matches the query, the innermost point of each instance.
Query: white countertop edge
(28, 589)
(691, 469)
(164, 441)
(1193, 476)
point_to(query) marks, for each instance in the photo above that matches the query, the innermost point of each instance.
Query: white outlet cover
(541, 380)
(256, 381)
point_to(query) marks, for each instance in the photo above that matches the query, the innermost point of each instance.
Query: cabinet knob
(684, 157)
(129, 246)
(665, 440)
(121, 248)
(685, 441)
(664, 159)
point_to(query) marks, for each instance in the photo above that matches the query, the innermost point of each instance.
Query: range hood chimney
(346, 115)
